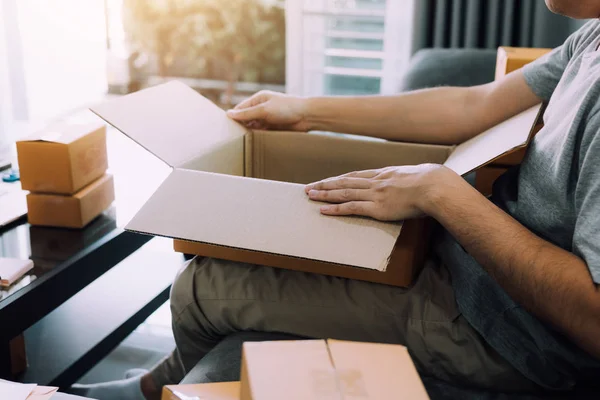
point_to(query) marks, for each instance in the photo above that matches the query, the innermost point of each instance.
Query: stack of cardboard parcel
(238, 194)
(64, 167)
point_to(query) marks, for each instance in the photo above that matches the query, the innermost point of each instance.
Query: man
(509, 300)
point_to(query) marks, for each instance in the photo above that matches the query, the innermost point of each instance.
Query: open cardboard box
(238, 194)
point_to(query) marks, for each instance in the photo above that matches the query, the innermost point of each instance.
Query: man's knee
(182, 290)
(199, 279)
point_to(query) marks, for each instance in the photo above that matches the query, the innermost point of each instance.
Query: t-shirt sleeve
(543, 74)
(586, 238)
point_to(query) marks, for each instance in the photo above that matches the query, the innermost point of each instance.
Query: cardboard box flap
(175, 123)
(496, 142)
(303, 371)
(375, 370)
(261, 215)
(63, 133)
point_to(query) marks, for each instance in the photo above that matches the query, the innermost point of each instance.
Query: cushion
(449, 67)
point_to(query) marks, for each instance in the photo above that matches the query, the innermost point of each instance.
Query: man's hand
(272, 110)
(387, 194)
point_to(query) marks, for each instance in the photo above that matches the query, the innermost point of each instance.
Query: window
(52, 61)
(5, 110)
(347, 47)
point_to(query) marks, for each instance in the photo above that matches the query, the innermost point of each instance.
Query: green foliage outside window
(231, 40)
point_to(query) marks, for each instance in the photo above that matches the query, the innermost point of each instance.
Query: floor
(147, 345)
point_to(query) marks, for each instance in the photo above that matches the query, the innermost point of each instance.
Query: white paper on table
(15, 391)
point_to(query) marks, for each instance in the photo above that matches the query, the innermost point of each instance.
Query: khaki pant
(212, 298)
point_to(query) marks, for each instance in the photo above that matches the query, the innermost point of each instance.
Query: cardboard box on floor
(238, 194)
(332, 369)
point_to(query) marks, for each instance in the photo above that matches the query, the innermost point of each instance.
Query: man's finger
(369, 173)
(248, 114)
(247, 103)
(340, 195)
(253, 100)
(363, 208)
(339, 183)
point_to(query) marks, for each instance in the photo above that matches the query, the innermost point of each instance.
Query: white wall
(5, 111)
(52, 60)
(64, 54)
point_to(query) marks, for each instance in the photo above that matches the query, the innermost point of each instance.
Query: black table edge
(76, 273)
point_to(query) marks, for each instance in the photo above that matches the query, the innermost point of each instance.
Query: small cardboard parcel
(328, 370)
(238, 194)
(314, 369)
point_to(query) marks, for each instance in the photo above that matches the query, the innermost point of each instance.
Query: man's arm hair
(444, 115)
(551, 283)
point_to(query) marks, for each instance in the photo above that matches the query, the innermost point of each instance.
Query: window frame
(397, 39)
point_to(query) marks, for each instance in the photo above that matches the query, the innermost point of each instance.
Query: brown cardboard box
(510, 59)
(213, 199)
(204, 391)
(332, 369)
(485, 178)
(406, 260)
(71, 211)
(63, 159)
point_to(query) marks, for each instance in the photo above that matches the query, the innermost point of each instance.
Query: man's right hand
(272, 110)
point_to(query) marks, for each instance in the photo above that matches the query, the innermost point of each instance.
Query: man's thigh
(221, 297)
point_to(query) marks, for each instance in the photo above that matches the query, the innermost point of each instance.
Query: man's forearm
(439, 116)
(446, 115)
(551, 283)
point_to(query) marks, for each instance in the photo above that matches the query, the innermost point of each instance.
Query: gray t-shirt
(559, 181)
(556, 194)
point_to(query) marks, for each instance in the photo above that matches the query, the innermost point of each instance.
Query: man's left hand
(387, 194)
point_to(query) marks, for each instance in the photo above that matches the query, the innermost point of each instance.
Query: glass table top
(137, 174)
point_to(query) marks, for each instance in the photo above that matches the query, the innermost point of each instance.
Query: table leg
(5, 360)
(13, 359)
